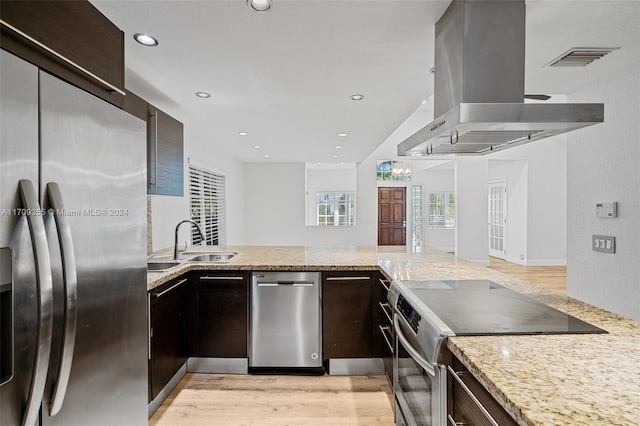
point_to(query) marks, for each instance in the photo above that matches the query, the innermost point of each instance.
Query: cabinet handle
(456, 375)
(155, 152)
(222, 278)
(149, 325)
(386, 287)
(452, 422)
(383, 330)
(110, 86)
(170, 288)
(384, 307)
(347, 278)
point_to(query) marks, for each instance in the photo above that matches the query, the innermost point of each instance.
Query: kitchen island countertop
(540, 380)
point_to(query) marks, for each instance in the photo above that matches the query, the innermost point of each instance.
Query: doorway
(498, 219)
(392, 221)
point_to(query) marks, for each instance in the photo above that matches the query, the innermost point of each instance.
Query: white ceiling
(286, 76)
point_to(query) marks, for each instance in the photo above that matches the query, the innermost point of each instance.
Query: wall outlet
(522, 257)
(603, 243)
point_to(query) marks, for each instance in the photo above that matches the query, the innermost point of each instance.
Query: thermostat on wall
(607, 209)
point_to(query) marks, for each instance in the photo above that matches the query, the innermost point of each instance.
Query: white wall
(436, 179)
(472, 242)
(168, 211)
(326, 179)
(275, 206)
(604, 165)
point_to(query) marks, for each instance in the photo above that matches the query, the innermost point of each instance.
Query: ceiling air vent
(580, 56)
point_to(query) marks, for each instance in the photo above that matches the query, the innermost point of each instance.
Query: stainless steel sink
(161, 266)
(214, 257)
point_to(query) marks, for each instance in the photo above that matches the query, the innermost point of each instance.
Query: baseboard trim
(546, 262)
(164, 393)
(218, 365)
(356, 367)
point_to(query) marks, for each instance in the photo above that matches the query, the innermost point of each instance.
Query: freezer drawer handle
(45, 302)
(105, 83)
(71, 292)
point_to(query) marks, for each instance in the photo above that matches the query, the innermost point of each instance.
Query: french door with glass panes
(498, 219)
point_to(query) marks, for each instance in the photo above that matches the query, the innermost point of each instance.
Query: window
(336, 208)
(442, 210)
(207, 198)
(416, 215)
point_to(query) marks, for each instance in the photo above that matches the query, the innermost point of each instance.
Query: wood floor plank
(217, 399)
(553, 278)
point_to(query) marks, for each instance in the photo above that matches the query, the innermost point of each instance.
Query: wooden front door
(392, 221)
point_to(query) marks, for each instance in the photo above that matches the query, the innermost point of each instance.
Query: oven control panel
(408, 313)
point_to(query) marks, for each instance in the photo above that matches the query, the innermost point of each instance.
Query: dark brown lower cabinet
(467, 395)
(383, 335)
(222, 314)
(347, 319)
(167, 333)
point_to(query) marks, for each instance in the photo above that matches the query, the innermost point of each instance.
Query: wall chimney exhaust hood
(479, 86)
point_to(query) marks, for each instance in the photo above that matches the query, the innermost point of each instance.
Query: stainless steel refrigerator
(73, 345)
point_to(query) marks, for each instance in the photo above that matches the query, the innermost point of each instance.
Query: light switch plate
(603, 243)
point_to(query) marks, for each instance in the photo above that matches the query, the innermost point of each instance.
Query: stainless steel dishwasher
(286, 323)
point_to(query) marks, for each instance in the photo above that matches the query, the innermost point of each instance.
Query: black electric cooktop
(483, 307)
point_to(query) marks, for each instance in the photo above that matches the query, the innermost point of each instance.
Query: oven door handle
(428, 367)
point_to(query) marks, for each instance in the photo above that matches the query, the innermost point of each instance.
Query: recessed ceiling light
(357, 97)
(257, 146)
(203, 95)
(243, 133)
(145, 39)
(424, 102)
(342, 135)
(338, 147)
(267, 156)
(259, 5)
(335, 156)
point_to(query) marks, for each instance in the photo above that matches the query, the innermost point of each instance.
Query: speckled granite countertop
(539, 380)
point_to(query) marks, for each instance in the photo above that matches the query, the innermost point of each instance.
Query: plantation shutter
(207, 197)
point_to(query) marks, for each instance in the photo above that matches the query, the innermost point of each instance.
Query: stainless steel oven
(420, 377)
(420, 385)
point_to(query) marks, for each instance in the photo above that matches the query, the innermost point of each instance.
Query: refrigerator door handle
(70, 280)
(45, 300)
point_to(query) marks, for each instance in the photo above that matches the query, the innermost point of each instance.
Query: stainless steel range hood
(479, 86)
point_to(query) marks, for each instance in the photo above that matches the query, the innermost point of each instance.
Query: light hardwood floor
(217, 399)
(553, 278)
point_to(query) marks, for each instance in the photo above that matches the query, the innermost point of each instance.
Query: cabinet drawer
(347, 314)
(167, 333)
(222, 315)
(471, 403)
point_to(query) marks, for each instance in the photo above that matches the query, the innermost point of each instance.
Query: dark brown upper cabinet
(69, 39)
(165, 158)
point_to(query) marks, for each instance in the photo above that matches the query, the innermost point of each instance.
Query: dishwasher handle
(285, 283)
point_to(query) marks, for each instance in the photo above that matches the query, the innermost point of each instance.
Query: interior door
(392, 220)
(498, 219)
